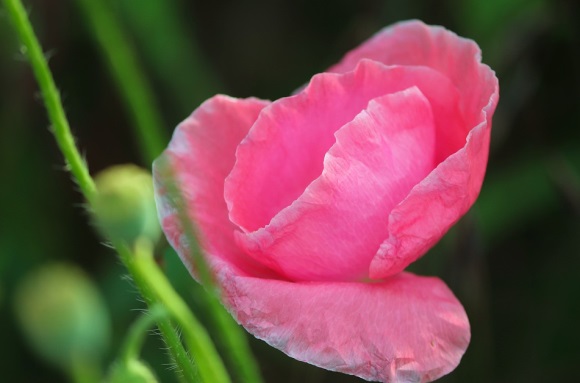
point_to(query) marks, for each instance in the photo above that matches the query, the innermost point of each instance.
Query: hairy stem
(209, 363)
(230, 335)
(60, 127)
(79, 170)
(136, 336)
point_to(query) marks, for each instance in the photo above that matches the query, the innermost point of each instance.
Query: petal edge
(406, 329)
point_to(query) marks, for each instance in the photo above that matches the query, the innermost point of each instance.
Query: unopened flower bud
(125, 205)
(133, 371)
(62, 315)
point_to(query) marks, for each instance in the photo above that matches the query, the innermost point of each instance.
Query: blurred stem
(230, 334)
(60, 127)
(170, 335)
(138, 331)
(180, 66)
(80, 172)
(129, 77)
(178, 202)
(210, 366)
(235, 342)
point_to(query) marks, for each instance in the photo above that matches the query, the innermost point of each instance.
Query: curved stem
(178, 353)
(192, 79)
(60, 127)
(235, 342)
(136, 336)
(231, 336)
(79, 170)
(209, 363)
(128, 76)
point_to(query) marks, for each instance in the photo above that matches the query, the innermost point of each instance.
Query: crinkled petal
(406, 329)
(436, 203)
(415, 43)
(284, 151)
(332, 231)
(201, 154)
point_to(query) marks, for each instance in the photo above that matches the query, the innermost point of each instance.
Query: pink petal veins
(284, 151)
(202, 153)
(334, 228)
(413, 43)
(436, 203)
(406, 329)
(276, 160)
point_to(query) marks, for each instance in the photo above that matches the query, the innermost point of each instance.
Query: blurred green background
(514, 260)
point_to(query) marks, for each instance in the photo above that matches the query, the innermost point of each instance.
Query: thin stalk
(231, 336)
(131, 82)
(79, 170)
(210, 366)
(60, 127)
(180, 66)
(178, 353)
(138, 331)
(178, 203)
(235, 342)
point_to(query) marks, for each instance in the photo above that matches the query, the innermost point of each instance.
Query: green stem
(79, 170)
(136, 336)
(233, 339)
(129, 77)
(210, 366)
(61, 130)
(191, 79)
(169, 333)
(178, 203)
(235, 343)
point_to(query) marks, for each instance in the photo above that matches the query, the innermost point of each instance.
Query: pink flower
(310, 207)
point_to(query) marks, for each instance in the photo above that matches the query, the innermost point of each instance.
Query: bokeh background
(514, 260)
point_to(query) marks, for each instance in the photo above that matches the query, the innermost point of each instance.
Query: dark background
(514, 260)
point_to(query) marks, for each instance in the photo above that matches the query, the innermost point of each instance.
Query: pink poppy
(310, 207)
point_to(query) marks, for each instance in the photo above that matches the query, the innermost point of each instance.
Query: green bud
(134, 371)
(125, 204)
(62, 315)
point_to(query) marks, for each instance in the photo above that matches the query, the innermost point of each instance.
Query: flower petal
(332, 231)
(202, 153)
(444, 196)
(406, 329)
(284, 151)
(436, 203)
(413, 43)
(459, 59)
